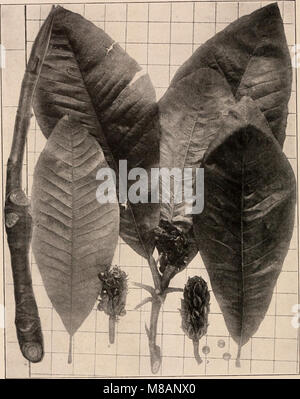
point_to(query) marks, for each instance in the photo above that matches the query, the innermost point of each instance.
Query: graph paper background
(160, 36)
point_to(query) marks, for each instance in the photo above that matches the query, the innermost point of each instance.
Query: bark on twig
(18, 221)
(196, 352)
(155, 353)
(158, 298)
(112, 329)
(155, 274)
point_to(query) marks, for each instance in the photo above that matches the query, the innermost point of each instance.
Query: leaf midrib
(107, 147)
(173, 205)
(242, 251)
(72, 231)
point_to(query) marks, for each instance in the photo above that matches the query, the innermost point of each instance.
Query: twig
(112, 329)
(158, 296)
(144, 302)
(155, 353)
(173, 289)
(148, 288)
(196, 351)
(155, 274)
(18, 221)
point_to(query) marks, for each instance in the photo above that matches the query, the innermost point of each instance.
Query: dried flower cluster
(113, 294)
(173, 246)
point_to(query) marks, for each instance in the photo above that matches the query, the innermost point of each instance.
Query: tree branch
(18, 221)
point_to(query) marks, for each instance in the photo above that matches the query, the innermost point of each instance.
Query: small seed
(206, 350)
(226, 356)
(221, 343)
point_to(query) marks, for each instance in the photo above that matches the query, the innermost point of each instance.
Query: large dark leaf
(89, 76)
(244, 231)
(74, 236)
(190, 115)
(252, 55)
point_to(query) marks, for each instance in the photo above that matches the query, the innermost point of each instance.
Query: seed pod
(194, 311)
(112, 298)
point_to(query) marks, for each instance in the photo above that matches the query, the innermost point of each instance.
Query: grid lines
(160, 36)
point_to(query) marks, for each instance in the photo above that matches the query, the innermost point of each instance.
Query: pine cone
(194, 311)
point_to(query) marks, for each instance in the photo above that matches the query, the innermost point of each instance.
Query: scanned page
(94, 99)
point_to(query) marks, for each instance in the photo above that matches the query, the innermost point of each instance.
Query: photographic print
(150, 197)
